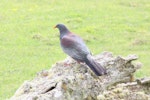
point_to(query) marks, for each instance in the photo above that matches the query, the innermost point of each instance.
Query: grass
(29, 44)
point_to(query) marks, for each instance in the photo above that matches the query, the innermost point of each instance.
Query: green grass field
(29, 44)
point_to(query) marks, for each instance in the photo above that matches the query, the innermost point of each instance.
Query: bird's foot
(67, 64)
(79, 62)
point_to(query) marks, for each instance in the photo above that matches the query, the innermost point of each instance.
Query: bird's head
(59, 26)
(62, 28)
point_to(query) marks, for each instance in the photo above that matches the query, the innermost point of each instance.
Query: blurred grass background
(29, 44)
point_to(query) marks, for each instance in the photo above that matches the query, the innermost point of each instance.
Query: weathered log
(78, 82)
(143, 81)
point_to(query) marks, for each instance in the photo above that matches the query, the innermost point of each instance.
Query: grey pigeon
(75, 47)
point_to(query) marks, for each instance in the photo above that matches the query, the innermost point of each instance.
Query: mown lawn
(29, 44)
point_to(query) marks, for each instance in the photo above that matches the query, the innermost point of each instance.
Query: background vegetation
(29, 44)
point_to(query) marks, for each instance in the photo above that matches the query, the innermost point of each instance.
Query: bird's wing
(74, 46)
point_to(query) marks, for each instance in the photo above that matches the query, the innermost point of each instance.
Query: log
(143, 81)
(78, 82)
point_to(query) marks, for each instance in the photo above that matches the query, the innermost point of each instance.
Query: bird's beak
(55, 27)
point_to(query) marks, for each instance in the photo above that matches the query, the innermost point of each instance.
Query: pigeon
(76, 48)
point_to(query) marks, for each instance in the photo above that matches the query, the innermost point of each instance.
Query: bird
(75, 47)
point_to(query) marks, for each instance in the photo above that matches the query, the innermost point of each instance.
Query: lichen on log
(68, 80)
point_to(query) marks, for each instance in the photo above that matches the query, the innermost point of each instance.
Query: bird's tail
(95, 67)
